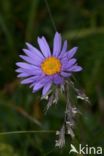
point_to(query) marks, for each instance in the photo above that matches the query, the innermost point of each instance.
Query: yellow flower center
(51, 65)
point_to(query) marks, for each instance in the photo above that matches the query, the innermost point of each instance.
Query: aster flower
(43, 68)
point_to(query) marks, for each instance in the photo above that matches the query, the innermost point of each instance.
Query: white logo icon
(73, 149)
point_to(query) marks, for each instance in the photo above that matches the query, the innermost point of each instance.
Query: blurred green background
(82, 23)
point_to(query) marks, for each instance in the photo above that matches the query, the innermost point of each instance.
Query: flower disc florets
(51, 66)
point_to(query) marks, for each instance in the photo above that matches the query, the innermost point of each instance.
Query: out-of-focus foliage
(82, 23)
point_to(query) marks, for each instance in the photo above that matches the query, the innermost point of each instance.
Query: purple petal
(37, 87)
(64, 48)
(29, 80)
(28, 74)
(41, 83)
(27, 66)
(63, 55)
(37, 79)
(19, 70)
(47, 46)
(28, 53)
(23, 75)
(46, 88)
(65, 74)
(64, 60)
(75, 69)
(44, 46)
(28, 71)
(32, 55)
(72, 52)
(57, 44)
(32, 85)
(35, 61)
(34, 50)
(58, 79)
(68, 64)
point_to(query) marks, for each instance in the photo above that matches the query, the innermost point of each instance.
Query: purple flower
(42, 68)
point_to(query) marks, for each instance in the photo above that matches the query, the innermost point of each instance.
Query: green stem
(31, 131)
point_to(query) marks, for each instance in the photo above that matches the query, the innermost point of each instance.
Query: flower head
(42, 69)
